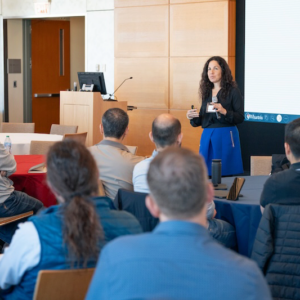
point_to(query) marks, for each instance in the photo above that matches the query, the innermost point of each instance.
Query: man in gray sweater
(114, 160)
(12, 202)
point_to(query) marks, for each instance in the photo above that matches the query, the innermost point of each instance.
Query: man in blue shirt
(178, 260)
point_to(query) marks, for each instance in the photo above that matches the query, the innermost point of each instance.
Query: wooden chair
(63, 129)
(101, 188)
(132, 149)
(63, 284)
(7, 220)
(40, 147)
(18, 127)
(260, 165)
(79, 137)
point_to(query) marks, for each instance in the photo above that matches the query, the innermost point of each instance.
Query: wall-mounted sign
(13, 66)
(42, 8)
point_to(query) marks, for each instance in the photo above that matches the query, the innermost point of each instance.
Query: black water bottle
(216, 171)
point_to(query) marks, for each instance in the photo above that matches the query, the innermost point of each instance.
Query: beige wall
(25, 8)
(77, 49)
(164, 44)
(15, 51)
(1, 71)
(98, 41)
(100, 44)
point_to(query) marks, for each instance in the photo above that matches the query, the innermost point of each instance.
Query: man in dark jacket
(276, 250)
(284, 187)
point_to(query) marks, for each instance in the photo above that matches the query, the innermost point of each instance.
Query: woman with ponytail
(69, 235)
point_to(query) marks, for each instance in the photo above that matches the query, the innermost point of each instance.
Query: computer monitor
(95, 78)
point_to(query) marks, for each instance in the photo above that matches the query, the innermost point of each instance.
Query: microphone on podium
(110, 95)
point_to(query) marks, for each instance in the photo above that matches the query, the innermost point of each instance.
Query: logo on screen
(254, 117)
(279, 118)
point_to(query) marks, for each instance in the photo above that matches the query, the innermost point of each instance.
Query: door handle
(45, 95)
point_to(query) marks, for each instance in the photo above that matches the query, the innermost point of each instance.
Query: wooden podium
(85, 109)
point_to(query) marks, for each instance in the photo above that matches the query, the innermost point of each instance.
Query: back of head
(165, 130)
(72, 174)
(115, 122)
(177, 180)
(292, 137)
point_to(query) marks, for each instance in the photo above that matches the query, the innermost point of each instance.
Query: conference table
(20, 142)
(244, 214)
(33, 184)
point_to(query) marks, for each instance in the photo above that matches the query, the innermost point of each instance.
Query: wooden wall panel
(231, 28)
(231, 63)
(140, 123)
(163, 45)
(142, 31)
(126, 3)
(185, 75)
(149, 86)
(191, 135)
(191, 1)
(199, 29)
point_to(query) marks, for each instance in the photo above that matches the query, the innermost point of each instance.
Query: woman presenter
(222, 108)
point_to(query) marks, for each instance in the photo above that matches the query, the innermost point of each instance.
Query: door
(50, 55)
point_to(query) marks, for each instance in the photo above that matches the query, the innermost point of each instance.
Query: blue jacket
(53, 251)
(178, 260)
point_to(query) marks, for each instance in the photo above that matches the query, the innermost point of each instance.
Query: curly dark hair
(227, 81)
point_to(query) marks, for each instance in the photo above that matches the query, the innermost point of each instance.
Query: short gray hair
(178, 181)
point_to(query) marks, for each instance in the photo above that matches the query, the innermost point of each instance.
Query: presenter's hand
(192, 113)
(220, 109)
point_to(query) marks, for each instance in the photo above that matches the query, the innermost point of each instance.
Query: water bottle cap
(216, 160)
(7, 136)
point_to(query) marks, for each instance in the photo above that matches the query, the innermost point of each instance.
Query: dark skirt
(222, 143)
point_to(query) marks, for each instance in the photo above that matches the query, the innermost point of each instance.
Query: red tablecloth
(33, 184)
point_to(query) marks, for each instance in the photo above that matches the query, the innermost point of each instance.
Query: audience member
(284, 187)
(178, 260)
(276, 250)
(67, 235)
(12, 202)
(166, 132)
(112, 157)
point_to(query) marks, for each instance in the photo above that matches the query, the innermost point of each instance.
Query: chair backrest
(40, 147)
(134, 203)
(260, 165)
(276, 249)
(7, 220)
(63, 284)
(101, 188)
(132, 149)
(79, 137)
(63, 129)
(17, 127)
